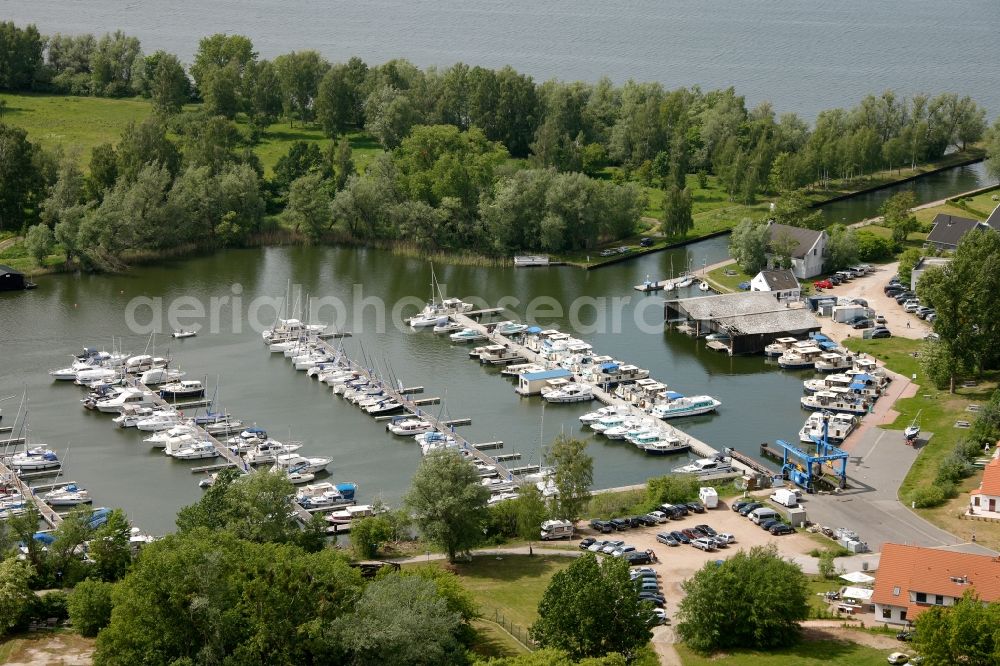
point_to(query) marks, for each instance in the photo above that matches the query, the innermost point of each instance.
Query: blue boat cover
(609, 366)
(863, 377)
(858, 385)
(827, 344)
(547, 374)
(534, 329)
(256, 431)
(43, 537)
(672, 395)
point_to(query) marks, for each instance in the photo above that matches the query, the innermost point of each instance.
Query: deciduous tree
(897, 212)
(961, 634)
(169, 88)
(309, 205)
(38, 241)
(748, 245)
(15, 595)
(448, 502)
(574, 476)
(677, 220)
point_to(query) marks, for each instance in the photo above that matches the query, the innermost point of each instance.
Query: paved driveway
(879, 461)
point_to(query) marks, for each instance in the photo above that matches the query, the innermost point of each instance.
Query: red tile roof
(928, 570)
(990, 484)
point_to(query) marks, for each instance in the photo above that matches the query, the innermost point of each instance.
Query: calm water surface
(804, 56)
(39, 329)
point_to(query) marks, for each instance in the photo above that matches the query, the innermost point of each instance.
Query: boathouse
(752, 320)
(11, 280)
(531, 383)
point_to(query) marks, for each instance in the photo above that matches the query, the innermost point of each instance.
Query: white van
(757, 516)
(709, 497)
(785, 497)
(557, 529)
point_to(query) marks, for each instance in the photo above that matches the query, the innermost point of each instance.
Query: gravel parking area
(869, 288)
(679, 563)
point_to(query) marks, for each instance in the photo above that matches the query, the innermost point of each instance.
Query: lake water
(39, 329)
(804, 56)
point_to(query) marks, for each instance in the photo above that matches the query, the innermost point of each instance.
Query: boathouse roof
(746, 313)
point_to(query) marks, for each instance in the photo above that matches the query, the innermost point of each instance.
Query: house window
(895, 591)
(887, 613)
(939, 600)
(921, 598)
(902, 615)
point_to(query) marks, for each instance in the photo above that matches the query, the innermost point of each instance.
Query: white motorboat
(325, 494)
(405, 426)
(298, 463)
(499, 355)
(447, 326)
(520, 368)
(705, 466)
(387, 406)
(34, 459)
(507, 328)
(799, 358)
(130, 397)
(181, 333)
(435, 441)
(563, 391)
(593, 417)
(91, 375)
(283, 346)
(160, 439)
(69, 495)
(226, 427)
(779, 346)
(833, 362)
(611, 420)
(839, 427)
(835, 400)
(467, 335)
(160, 376)
(659, 444)
(290, 328)
(130, 416)
(343, 518)
(628, 427)
(186, 388)
(160, 420)
(196, 451)
(269, 451)
(142, 362)
(684, 406)
(525, 260)
(703, 286)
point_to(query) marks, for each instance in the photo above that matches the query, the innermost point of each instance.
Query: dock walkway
(9, 476)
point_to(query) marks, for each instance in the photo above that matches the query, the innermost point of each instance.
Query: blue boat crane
(803, 468)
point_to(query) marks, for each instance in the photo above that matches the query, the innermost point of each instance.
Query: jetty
(10, 477)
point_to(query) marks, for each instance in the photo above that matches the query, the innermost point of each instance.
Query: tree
(897, 212)
(21, 183)
(574, 476)
(343, 164)
(907, 260)
(113, 65)
(873, 248)
(90, 606)
(219, 51)
(170, 87)
(368, 535)
(15, 595)
(389, 115)
(677, 220)
(220, 88)
(448, 502)
(961, 634)
(530, 511)
(754, 600)
(20, 56)
(672, 489)
(299, 74)
(793, 209)
(110, 547)
(309, 206)
(261, 94)
(841, 248)
(748, 245)
(993, 149)
(336, 100)
(302, 157)
(142, 144)
(402, 621)
(38, 241)
(590, 609)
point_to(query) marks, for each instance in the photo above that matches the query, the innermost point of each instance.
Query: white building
(781, 283)
(807, 248)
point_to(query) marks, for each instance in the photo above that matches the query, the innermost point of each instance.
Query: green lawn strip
(979, 206)
(926, 215)
(806, 653)
(817, 586)
(493, 641)
(729, 277)
(510, 584)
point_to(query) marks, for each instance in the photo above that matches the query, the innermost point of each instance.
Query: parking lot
(675, 564)
(869, 288)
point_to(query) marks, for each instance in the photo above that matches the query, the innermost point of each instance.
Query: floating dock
(10, 477)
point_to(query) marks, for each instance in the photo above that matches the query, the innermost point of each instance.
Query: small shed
(11, 280)
(531, 383)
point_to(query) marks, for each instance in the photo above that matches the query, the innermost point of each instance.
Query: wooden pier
(9, 476)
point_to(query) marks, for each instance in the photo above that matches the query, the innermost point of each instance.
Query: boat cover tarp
(827, 344)
(672, 395)
(609, 367)
(863, 377)
(857, 386)
(534, 329)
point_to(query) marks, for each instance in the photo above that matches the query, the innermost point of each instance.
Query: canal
(40, 329)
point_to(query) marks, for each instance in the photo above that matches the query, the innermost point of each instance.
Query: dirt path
(824, 630)
(48, 649)
(9, 242)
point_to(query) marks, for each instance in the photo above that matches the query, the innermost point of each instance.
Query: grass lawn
(926, 215)
(938, 411)
(511, 584)
(728, 277)
(807, 653)
(492, 641)
(981, 205)
(818, 608)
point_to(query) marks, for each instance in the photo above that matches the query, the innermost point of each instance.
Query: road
(876, 468)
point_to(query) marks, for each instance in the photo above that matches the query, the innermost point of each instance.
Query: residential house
(807, 248)
(924, 264)
(781, 283)
(948, 230)
(911, 579)
(986, 498)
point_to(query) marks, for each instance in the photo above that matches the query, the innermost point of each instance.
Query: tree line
(516, 164)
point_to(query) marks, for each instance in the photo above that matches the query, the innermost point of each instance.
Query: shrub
(927, 497)
(90, 606)
(953, 468)
(672, 489)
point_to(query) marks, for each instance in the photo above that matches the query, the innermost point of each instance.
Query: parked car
(597, 546)
(680, 537)
(698, 532)
(879, 319)
(618, 552)
(853, 320)
(835, 280)
(904, 296)
(620, 524)
(739, 504)
(880, 333)
(727, 536)
(859, 301)
(911, 306)
(646, 242)
(769, 523)
(925, 312)
(611, 546)
(932, 317)
(638, 557)
(607, 253)
(667, 539)
(659, 616)
(893, 290)
(743, 286)
(905, 636)
(655, 599)
(898, 658)
(695, 507)
(781, 528)
(689, 533)
(602, 526)
(677, 510)
(863, 323)
(932, 336)
(745, 511)
(707, 530)
(823, 284)
(704, 544)
(634, 521)
(720, 541)
(659, 516)
(587, 543)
